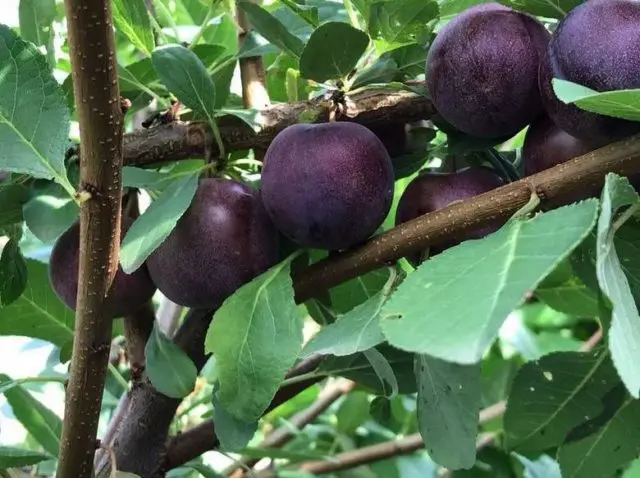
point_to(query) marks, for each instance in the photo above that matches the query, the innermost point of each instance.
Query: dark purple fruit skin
(327, 186)
(131, 291)
(596, 45)
(431, 191)
(394, 137)
(482, 70)
(223, 240)
(546, 145)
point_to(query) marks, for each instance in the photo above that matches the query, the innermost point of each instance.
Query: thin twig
(281, 436)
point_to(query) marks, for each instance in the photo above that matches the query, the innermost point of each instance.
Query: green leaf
(251, 117)
(332, 51)
(170, 370)
(156, 223)
(38, 312)
(234, 434)
(449, 399)
(36, 17)
(564, 292)
(401, 22)
(41, 423)
(358, 368)
(601, 454)
(48, 215)
(183, 73)
(9, 384)
(384, 372)
(543, 467)
(353, 412)
(355, 331)
(272, 29)
(623, 104)
(34, 119)
(125, 474)
(16, 457)
(551, 396)
(132, 19)
(255, 336)
(12, 198)
(13, 273)
(624, 334)
(348, 295)
(453, 305)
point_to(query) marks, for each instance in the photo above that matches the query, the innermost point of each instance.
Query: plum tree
(430, 191)
(482, 70)
(222, 241)
(328, 185)
(596, 45)
(130, 291)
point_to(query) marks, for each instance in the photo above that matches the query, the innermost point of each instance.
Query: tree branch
(556, 186)
(252, 74)
(97, 98)
(280, 437)
(180, 140)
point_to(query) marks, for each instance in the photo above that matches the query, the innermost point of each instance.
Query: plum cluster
(489, 73)
(330, 186)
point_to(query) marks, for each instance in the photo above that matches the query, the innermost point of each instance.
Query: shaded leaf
(255, 336)
(38, 312)
(449, 399)
(426, 315)
(614, 445)
(551, 396)
(563, 291)
(357, 367)
(170, 370)
(13, 273)
(12, 198)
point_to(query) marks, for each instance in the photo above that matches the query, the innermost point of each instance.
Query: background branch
(97, 96)
(252, 74)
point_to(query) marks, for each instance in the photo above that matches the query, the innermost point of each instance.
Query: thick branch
(180, 140)
(97, 98)
(556, 186)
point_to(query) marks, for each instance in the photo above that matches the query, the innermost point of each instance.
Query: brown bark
(97, 98)
(178, 140)
(252, 74)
